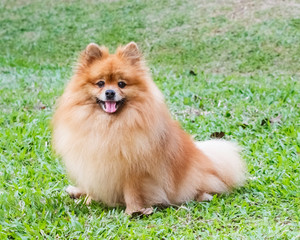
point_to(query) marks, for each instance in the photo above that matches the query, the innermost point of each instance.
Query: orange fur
(137, 156)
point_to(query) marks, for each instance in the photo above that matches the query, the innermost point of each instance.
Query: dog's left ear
(131, 52)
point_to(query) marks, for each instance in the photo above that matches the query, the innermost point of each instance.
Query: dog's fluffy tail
(230, 169)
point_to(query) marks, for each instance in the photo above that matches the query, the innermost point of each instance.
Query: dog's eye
(100, 84)
(121, 84)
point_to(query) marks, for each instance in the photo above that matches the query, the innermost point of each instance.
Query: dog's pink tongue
(110, 106)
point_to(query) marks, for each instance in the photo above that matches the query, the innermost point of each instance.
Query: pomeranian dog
(120, 145)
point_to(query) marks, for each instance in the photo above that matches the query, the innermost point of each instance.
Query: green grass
(245, 57)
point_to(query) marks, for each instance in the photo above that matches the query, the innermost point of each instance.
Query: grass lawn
(223, 66)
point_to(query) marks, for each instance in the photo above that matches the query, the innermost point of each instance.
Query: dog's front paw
(74, 192)
(143, 211)
(204, 197)
(147, 211)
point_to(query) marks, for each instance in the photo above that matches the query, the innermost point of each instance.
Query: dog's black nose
(110, 94)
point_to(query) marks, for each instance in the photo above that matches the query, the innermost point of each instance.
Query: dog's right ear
(93, 52)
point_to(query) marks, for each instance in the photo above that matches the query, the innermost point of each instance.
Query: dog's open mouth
(110, 106)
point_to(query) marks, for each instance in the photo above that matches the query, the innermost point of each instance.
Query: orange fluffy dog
(121, 146)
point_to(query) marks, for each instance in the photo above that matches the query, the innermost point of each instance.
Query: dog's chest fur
(100, 160)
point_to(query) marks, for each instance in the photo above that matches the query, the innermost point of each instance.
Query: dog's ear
(93, 52)
(131, 52)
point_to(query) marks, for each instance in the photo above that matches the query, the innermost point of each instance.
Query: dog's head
(111, 81)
